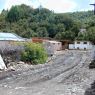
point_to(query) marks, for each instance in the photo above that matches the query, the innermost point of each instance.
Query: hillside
(28, 22)
(84, 16)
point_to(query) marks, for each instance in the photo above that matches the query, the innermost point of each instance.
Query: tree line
(41, 22)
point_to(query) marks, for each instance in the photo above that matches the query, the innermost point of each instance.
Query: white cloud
(58, 6)
(92, 1)
(10, 3)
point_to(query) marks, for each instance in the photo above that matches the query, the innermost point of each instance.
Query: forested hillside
(41, 22)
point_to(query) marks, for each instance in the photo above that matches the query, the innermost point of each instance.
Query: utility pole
(94, 7)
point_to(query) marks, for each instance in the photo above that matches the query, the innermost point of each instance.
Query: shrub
(34, 53)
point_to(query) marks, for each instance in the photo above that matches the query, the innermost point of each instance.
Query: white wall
(71, 46)
(81, 45)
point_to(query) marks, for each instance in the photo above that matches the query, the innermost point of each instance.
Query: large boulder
(2, 64)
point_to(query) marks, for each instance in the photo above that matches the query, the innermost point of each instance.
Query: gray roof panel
(10, 36)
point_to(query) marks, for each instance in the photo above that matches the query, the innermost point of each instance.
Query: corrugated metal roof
(10, 36)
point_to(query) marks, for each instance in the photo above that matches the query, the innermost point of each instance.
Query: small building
(82, 45)
(11, 46)
(8, 41)
(52, 46)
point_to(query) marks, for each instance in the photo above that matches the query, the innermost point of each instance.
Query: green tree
(67, 35)
(42, 32)
(59, 36)
(13, 15)
(28, 22)
(52, 30)
(89, 35)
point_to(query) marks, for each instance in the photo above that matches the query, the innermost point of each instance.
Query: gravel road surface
(65, 74)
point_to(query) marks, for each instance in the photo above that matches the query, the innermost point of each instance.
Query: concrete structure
(84, 45)
(52, 46)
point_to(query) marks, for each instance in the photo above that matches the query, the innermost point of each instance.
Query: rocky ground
(66, 74)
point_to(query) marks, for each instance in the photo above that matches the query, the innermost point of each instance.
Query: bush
(34, 53)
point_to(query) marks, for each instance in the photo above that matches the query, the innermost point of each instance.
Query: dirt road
(66, 74)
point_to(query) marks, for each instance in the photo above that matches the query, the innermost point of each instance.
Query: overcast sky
(58, 6)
